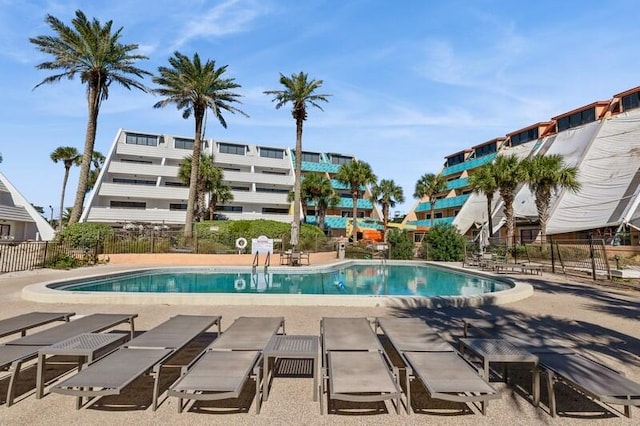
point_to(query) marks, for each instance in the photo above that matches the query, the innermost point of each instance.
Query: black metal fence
(27, 255)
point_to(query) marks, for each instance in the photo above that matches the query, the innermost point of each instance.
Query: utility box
(341, 249)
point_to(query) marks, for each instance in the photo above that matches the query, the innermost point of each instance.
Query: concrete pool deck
(598, 318)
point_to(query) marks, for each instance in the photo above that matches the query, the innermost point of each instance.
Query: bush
(400, 245)
(357, 251)
(81, 235)
(444, 243)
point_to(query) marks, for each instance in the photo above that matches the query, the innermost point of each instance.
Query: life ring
(241, 243)
(240, 284)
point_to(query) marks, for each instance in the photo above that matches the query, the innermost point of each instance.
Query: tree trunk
(354, 196)
(385, 214)
(298, 171)
(64, 187)
(93, 100)
(508, 215)
(543, 199)
(195, 169)
(489, 218)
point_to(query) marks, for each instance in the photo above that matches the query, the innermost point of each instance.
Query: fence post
(44, 259)
(553, 257)
(591, 255)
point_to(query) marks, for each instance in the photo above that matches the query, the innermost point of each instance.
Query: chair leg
(15, 372)
(156, 386)
(551, 392)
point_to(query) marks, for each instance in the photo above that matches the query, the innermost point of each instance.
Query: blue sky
(411, 81)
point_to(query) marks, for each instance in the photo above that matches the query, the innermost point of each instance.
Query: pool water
(383, 280)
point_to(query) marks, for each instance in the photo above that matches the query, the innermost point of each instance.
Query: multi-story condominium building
(19, 220)
(139, 180)
(601, 139)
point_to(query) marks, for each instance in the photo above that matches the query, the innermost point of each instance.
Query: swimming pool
(354, 283)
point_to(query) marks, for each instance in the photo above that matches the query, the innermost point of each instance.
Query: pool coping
(41, 292)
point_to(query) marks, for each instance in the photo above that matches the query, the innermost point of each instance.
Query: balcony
(468, 165)
(143, 191)
(142, 169)
(114, 215)
(265, 178)
(249, 197)
(443, 203)
(426, 223)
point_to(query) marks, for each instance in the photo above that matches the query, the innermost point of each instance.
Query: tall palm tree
(386, 194)
(196, 88)
(508, 174)
(544, 174)
(356, 174)
(209, 181)
(316, 188)
(483, 182)
(430, 185)
(93, 52)
(70, 157)
(300, 92)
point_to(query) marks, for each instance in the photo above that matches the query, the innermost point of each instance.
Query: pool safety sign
(262, 245)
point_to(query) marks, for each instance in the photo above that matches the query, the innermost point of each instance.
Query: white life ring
(241, 243)
(240, 284)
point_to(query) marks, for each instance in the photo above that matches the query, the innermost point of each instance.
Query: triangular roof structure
(24, 221)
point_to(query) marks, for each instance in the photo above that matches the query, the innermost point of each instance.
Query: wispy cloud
(229, 17)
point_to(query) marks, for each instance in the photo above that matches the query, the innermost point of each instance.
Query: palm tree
(97, 161)
(209, 181)
(387, 194)
(326, 200)
(69, 157)
(316, 188)
(195, 88)
(544, 174)
(300, 92)
(508, 174)
(92, 51)
(356, 174)
(483, 182)
(430, 185)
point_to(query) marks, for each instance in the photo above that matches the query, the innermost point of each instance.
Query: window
(273, 172)
(134, 181)
(229, 169)
(276, 190)
(128, 205)
(184, 143)
(232, 209)
(523, 137)
(176, 184)
(577, 119)
(340, 159)
(274, 210)
(528, 235)
(135, 139)
(227, 148)
(631, 101)
(240, 188)
(178, 206)
(5, 231)
(455, 159)
(129, 160)
(310, 213)
(271, 153)
(311, 157)
(485, 150)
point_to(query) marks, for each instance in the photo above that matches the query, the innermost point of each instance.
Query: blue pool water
(383, 280)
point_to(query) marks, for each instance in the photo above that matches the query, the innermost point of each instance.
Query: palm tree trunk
(195, 166)
(64, 187)
(508, 215)
(431, 212)
(543, 199)
(354, 197)
(385, 214)
(489, 218)
(93, 100)
(298, 171)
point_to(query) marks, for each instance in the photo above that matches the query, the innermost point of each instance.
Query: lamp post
(51, 214)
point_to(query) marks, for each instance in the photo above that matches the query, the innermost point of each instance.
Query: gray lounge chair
(564, 364)
(14, 353)
(221, 371)
(355, 366)
(22, 323)
(443, 372)
(112, 373)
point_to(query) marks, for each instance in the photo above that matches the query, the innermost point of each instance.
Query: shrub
(81, 235)
(400, 245)
(444, 243)
(357, 251)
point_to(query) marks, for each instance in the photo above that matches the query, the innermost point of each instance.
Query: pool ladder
(256, 262)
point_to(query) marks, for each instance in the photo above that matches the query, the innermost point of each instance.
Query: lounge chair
(563, 364)
(22, 323)
(112, 373)
(14, 353)
(355, 366)
(221, 371)
(443, 372)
